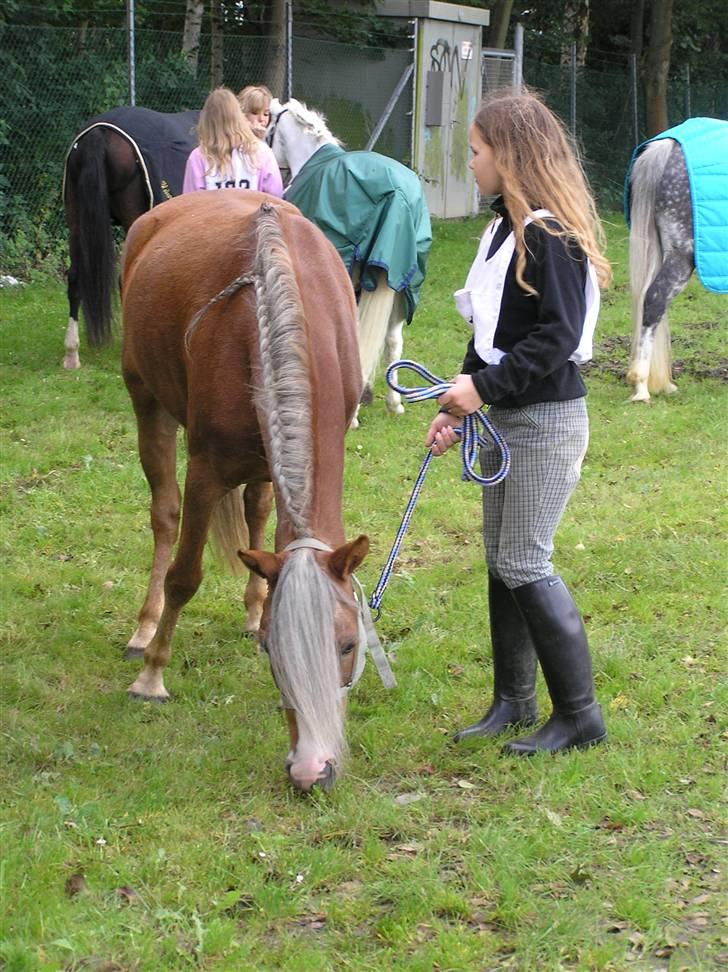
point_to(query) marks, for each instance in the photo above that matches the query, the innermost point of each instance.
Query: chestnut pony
(240, 325)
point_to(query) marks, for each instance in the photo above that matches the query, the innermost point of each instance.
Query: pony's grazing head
(310, 630)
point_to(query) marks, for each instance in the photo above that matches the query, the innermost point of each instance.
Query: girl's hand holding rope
(442, 433)
(461, 398)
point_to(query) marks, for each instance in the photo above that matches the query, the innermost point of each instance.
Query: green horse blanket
(373, 210)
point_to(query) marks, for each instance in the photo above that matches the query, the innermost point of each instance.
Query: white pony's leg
(71, 360)
(394, 345)
(639, 369)
(375, 310)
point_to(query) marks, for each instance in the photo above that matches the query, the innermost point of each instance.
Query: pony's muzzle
(305, 776)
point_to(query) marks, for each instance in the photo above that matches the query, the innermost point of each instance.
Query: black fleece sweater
(538, 333)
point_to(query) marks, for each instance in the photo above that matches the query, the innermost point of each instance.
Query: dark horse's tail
(92, 252)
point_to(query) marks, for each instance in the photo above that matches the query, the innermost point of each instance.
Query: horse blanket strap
(704, 142)
(373, 210)
(161, 142)
(471, 440)
(368, 637)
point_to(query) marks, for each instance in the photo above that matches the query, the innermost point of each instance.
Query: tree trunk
(500, 15)
(192, 31)
(275, 61)
(657, 66)
(576, 31)
(216, 44)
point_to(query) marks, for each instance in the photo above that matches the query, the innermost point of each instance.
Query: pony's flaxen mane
(285, 396)
(311, 122)
(303, 653)
(301, 642)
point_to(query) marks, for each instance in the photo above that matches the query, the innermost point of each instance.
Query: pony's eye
(347, 649)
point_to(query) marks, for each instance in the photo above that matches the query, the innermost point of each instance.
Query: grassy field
(145, 837)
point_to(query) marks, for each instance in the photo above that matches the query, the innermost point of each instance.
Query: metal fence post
(572, 88)
(289, 50)
(131, 58)
(518, 50)
(633, 98)
(688, 105)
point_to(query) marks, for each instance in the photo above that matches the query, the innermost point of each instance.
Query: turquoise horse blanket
(704, 142)
(373, 210)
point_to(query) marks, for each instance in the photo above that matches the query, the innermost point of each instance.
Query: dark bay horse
(119, 165)
(677, 207)
(239, 323)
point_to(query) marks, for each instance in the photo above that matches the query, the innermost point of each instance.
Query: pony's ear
(345, 559)
(264, 564)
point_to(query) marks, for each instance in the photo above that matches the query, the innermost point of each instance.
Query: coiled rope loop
(471, 440)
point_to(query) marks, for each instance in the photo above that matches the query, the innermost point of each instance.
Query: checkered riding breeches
(548, 442)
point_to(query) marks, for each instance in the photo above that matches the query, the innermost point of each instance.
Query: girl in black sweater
(532, 299)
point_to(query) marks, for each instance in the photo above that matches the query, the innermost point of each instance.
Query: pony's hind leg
(375, 314)
(157, 451)
(393, 350)
(202, 494)
(651, 367)
(71, 360)
(258, 499)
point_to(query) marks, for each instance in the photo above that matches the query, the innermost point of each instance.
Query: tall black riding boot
(559, 638)
(514, 668)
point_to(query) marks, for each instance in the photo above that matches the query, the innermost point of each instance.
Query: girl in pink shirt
(229, 155)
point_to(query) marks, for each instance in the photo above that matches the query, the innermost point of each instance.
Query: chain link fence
(54, 79)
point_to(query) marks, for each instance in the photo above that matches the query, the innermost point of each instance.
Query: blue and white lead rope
(471, 440)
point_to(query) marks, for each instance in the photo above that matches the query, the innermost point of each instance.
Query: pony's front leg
(182, 580)
(258, 500)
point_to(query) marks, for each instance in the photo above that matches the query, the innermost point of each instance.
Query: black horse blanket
(161, 143)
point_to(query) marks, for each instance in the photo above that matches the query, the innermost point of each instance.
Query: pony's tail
(284, 400)
(375, 309)
(229, 531)
(645, 260)
(96, 241)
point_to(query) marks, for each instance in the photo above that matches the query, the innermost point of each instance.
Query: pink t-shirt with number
(262, 174)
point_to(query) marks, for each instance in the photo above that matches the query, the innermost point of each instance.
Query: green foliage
(147, 837)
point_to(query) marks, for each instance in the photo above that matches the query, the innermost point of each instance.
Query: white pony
(373, 210)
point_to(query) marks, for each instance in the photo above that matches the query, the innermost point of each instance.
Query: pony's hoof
(148, 698)
(396, 410)
(71, 362)
(133, 653)
(639, 397)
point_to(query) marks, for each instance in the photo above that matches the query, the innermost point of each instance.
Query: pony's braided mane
(285, 397)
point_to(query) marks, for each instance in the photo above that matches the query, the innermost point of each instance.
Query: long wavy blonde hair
(222, 128)
(539, 168)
